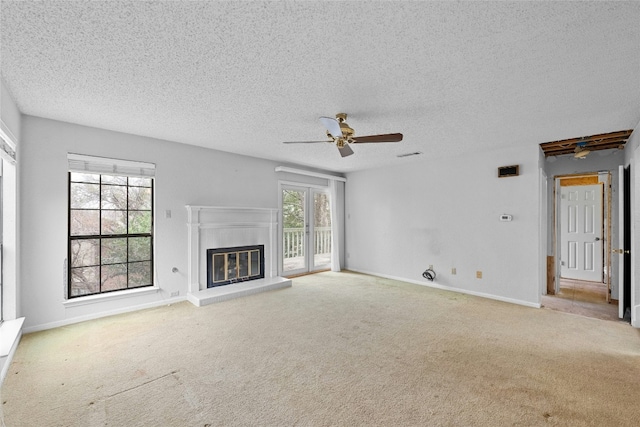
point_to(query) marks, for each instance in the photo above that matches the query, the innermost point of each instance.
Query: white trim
(8, 151)
(226, 208)
(303, 184)
(109, 296)
(10, 332)
(110, 166)
(234, 225)
(10, 137)
(309, 173)
(452, 289)
(101, 314)
(10, 335)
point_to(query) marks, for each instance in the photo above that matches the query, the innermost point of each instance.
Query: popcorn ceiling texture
(244, 76)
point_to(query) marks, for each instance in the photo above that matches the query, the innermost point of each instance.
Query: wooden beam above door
(602, 141)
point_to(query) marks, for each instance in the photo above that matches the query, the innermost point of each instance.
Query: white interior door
(581, 232)
(306, 230)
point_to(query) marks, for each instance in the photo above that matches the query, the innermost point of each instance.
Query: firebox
(232, 265)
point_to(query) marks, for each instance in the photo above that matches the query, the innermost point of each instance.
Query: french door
(306, 229)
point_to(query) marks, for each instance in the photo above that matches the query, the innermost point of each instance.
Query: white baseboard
(70, 321)
(452, 289)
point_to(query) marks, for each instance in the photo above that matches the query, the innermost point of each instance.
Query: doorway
(306, 229)
(582, 211)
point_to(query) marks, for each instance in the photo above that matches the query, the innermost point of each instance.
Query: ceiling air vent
(417, 153)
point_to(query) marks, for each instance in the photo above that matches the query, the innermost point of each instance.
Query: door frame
(309, 244)
(624, 242)
(557, 240)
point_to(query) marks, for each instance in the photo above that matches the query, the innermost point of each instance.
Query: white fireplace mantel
(212, 227)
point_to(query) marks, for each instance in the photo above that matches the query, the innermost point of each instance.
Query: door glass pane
(232, 266)
(321, 230)
(218, 268)
(293, 238)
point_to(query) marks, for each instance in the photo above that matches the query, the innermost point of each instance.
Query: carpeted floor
(336, 349)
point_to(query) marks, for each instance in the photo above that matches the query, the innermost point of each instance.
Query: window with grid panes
(110, 233)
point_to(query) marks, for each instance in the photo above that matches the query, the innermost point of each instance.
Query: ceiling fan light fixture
(582, 154)
(581, 150)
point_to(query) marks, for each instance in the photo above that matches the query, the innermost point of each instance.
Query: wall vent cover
(505, 171)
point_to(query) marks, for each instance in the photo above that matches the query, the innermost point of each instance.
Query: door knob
(597, 239)
(620, 251)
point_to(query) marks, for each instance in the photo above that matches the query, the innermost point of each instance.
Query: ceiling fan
(342, 135)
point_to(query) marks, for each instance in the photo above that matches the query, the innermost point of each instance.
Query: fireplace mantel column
(193, 224)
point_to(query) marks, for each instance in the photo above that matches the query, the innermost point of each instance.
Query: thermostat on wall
(505, 217)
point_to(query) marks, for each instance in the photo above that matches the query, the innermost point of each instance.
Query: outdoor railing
(293, 241)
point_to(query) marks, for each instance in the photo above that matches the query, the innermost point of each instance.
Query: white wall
(445, 213)
(184, 175)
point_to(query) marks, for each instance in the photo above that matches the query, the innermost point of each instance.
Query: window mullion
(127, 232)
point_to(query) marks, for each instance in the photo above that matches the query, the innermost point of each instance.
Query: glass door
(321, 230)
(306, 230)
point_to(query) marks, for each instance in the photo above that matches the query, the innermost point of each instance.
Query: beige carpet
(336, 349)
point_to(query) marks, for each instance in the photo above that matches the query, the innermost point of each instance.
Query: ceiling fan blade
(345, 151)
(304, 142)
(332, 126)
(389, 137)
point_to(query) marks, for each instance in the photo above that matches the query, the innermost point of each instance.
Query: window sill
(94, 299)
(9, 333)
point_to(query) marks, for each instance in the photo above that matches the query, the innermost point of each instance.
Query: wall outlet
(430, 266)
(175, 293)
(453, 270)
(479, 274)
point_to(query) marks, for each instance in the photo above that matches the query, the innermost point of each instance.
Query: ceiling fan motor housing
(347, 131)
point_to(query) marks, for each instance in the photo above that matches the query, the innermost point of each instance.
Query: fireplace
(232, 230)
(232, 265)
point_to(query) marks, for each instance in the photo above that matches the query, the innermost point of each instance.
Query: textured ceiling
(245, 76)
